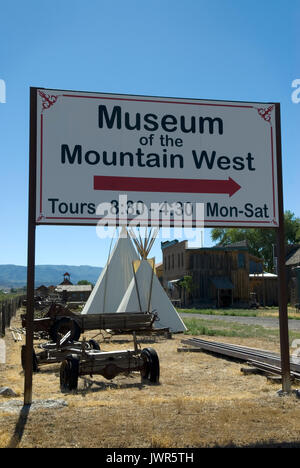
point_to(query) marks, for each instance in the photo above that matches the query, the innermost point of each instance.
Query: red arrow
(147, 184)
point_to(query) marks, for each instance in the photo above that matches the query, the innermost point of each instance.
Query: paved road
(267, 322)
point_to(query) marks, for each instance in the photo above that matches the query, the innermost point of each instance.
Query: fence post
(8, 314)
(8, 310)
(3, 319)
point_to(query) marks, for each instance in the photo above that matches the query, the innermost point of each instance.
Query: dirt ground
(201, 401)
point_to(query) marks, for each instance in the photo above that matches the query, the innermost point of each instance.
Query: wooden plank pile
(262, 360)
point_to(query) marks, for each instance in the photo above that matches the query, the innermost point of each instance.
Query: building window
(241, 260)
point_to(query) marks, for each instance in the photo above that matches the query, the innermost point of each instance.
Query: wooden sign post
(282, 284)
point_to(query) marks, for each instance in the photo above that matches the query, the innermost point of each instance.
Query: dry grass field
(201, 401)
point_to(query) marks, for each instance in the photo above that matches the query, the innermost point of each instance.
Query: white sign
(109, 156)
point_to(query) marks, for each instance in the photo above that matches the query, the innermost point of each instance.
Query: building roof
(74, 287)
(166, 244)
(262, 275)
(242, 243)
(294, 258)
(66, 283)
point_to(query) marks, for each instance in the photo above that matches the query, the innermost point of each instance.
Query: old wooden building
(74, 293)
(265, 287)
(293, 274)
(220, 275)
(42, 291)
(68, 292)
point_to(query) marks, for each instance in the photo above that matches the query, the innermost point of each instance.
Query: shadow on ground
(20, 427)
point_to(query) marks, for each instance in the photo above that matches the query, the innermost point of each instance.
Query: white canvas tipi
(146, 293)
(114, 278)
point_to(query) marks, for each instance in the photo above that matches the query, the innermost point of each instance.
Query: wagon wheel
(35, 367)
(62, 326)
(69, 372)
(150, 370)
(94, 345)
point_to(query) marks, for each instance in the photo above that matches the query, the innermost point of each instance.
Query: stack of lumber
(261, 359)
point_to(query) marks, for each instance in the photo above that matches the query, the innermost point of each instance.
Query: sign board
(130, 154)
(116, 157)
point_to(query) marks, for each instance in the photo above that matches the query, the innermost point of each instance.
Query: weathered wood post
(282, 287)
(30, 251)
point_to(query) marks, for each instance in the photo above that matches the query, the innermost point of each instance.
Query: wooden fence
(266, 289)
(8, 309)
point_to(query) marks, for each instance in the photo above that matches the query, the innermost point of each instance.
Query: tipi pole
(137, 288)
(151, 286)
(106, 276)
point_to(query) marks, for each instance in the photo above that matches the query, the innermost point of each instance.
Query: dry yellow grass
(201, 401)
(274, 312)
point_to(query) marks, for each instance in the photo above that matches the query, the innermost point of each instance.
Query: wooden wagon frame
(59, 320)
(80, 358)
(85, 358)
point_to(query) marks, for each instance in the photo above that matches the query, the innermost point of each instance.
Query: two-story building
(220, 274)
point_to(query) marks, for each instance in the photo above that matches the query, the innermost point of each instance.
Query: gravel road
(267, 322)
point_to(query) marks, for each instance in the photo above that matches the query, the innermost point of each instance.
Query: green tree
(84, 282)
(260, 241)
(188, 286)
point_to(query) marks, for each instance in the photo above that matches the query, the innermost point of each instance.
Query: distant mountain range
(14, 276)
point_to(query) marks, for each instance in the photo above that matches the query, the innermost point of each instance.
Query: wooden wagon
(109, 365)
(51, 353)
(60, 320)
(85, 358)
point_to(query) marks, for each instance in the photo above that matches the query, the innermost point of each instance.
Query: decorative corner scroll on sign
(265, 112)
(41, 217)
(47, 100)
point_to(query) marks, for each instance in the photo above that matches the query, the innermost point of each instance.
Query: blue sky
(229, 50)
